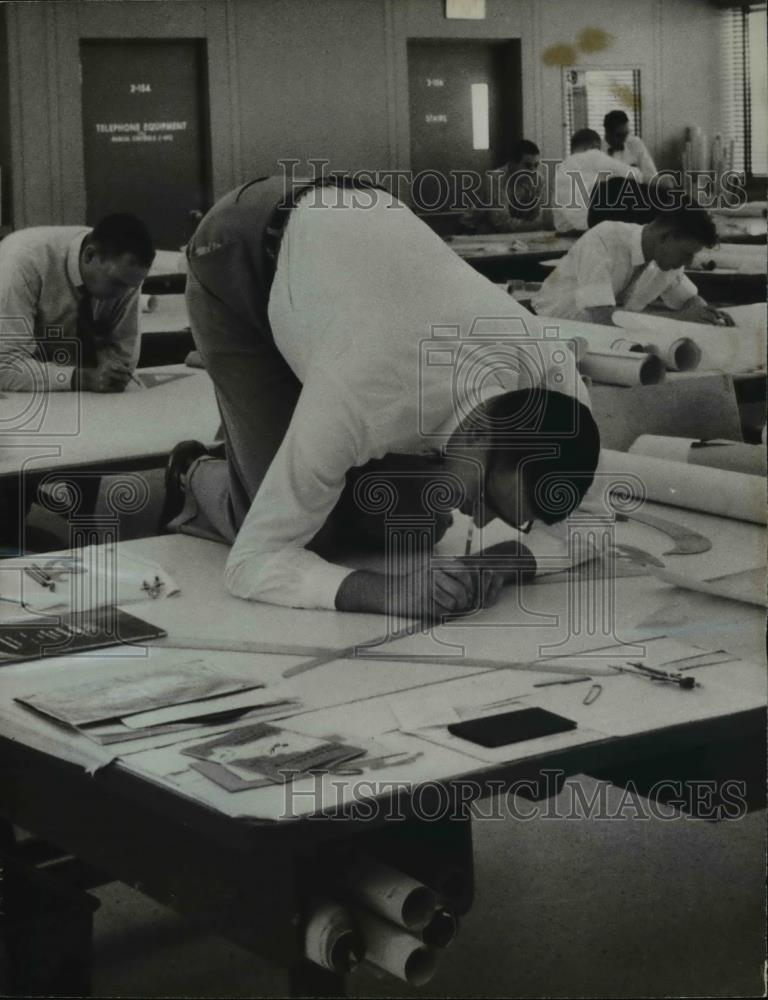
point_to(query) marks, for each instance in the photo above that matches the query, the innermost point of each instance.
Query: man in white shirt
(74, 291)
(626, 148)
(339, 331)
(622, 265)
(576, 177)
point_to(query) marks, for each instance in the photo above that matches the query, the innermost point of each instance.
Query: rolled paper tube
(390, 893)
(395, 951)
(148, 303)
(623, 344)
(722, 348)
(435, 865)
(597, 337)
(671, 449)
(441, 929)
(331, 940)
(734, 456)
(628, 368)
(714, 491)
(681, 355)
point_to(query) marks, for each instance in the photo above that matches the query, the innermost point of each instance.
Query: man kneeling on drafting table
(339, 329)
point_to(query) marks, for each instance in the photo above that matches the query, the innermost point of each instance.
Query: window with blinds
(589, 94)
(744, 86)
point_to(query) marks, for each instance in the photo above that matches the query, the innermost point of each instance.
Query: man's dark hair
(689, 221)
(584, 137)
(519, 148)
(615, 118)
(122, 233)
(554, 439)
(620, 199)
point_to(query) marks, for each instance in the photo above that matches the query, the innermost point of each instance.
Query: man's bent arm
(269, 560)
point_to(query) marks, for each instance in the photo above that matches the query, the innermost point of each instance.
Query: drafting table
(107, 431)
(45, 436)
(233, 862)
(500, 256)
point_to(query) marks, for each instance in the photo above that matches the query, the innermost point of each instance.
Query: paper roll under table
(331, 940)
(623, 368)
(441, 929)
(395, 951)
(733, 456)
(694, 487)
(390, 893)
(722, 348)
(148, 303)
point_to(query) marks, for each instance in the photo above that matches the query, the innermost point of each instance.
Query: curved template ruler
(687, 542)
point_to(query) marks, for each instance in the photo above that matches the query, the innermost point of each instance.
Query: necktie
(90, 332)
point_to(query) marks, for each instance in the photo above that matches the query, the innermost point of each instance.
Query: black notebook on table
(67, 634)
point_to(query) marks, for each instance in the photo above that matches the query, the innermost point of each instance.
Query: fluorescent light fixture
(480, 135)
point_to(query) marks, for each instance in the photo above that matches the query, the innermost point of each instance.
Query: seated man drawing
(75, 290)
(69, 302)
(509, 200)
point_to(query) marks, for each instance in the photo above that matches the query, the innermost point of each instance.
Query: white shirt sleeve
(679, 291)
(269, 561)
(592, 258)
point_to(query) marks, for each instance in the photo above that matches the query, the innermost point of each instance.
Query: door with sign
(146, 133)
(465, 110)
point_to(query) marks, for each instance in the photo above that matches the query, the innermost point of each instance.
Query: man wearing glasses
(369, 382)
